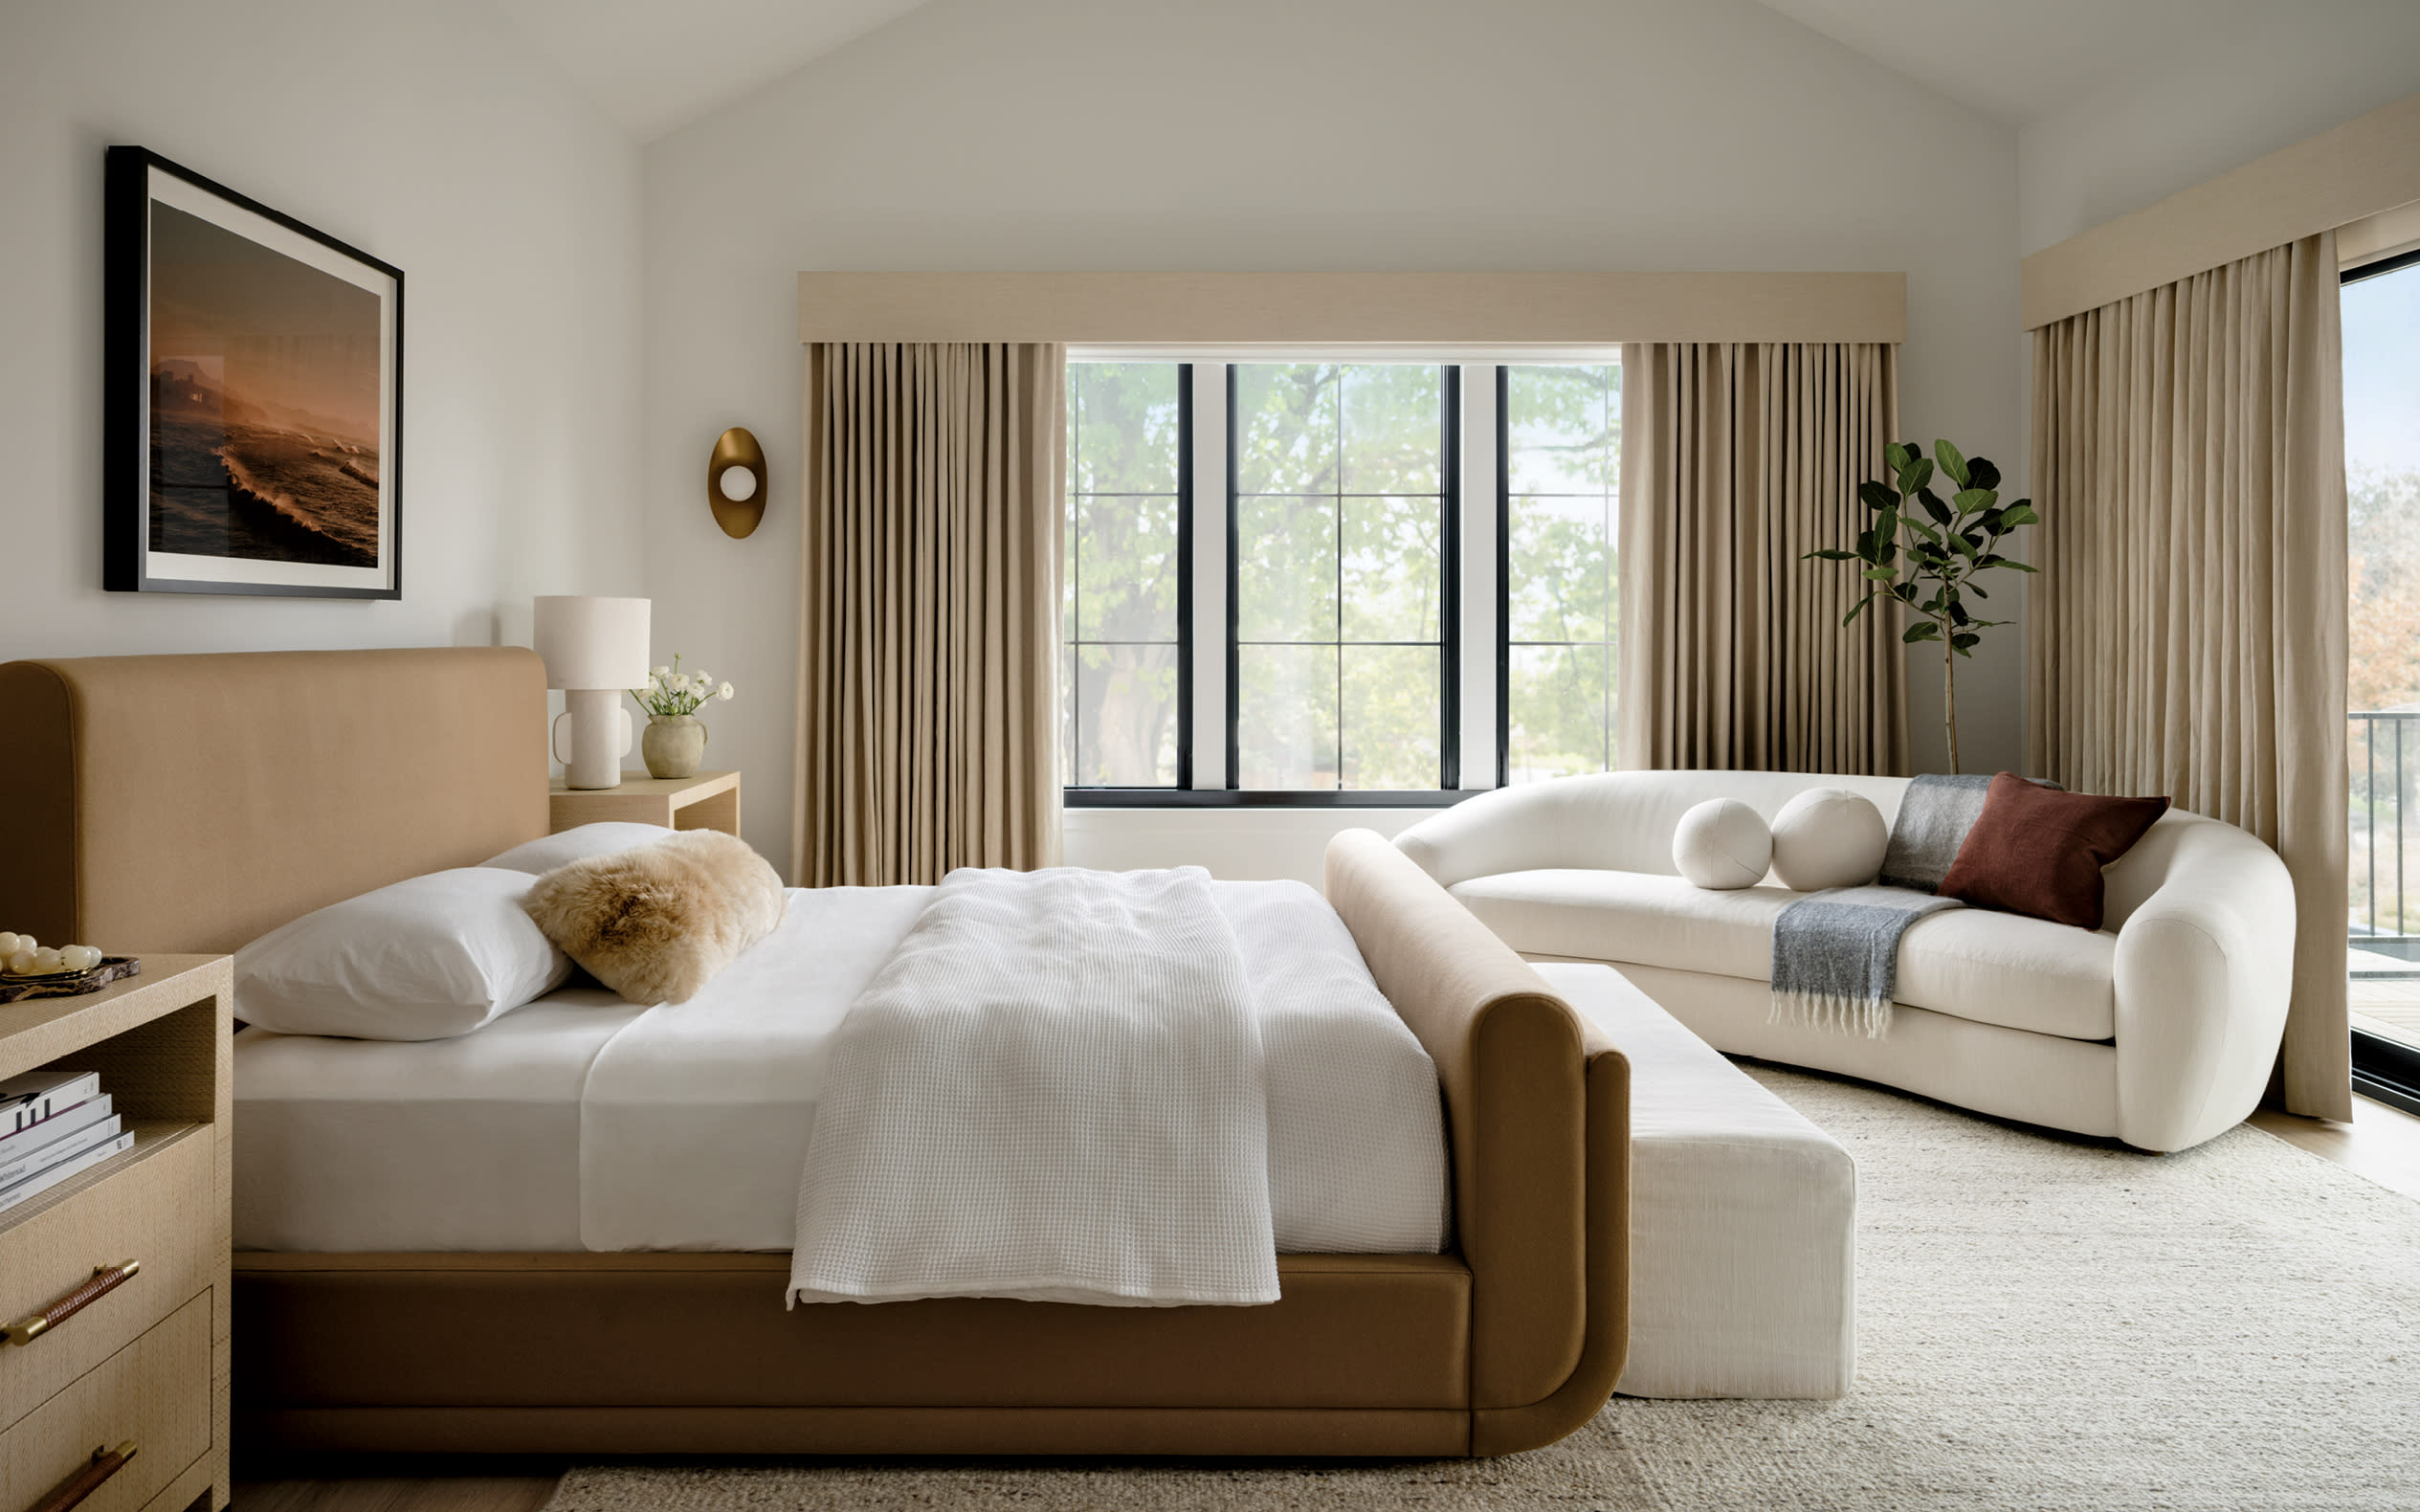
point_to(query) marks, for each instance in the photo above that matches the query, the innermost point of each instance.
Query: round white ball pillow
(1828, 838)
(1722, 844)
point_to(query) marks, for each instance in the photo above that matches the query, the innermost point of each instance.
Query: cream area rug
(2044, 1324)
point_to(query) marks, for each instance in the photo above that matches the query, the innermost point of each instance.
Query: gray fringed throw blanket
(1836, 953)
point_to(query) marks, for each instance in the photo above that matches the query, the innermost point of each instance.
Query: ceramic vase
(672, 745)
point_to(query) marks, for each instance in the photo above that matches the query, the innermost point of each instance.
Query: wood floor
(2381, 1143)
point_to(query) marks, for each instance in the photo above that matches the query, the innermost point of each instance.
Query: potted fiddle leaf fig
(1924, 552)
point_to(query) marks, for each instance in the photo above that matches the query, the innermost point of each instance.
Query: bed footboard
(1538, 1110)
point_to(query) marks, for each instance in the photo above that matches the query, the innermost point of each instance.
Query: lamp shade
(590, 642)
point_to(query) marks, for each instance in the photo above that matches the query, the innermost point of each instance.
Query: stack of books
(53, 1125)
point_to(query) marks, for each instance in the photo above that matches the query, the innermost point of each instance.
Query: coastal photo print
(255, 396)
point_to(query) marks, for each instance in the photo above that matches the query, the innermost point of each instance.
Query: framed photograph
(254, 413)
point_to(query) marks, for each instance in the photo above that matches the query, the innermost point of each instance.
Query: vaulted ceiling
(655, 67)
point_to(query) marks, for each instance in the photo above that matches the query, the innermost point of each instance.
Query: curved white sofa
(2160, 1029)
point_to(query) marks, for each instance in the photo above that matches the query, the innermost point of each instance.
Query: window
(1125, 678)
(1318, 636)
(1339, 574)
(2381, 308)
(1562, 450)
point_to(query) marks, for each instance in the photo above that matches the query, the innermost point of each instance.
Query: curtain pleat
(928, 703)
(1737, 460)
(2187, 630)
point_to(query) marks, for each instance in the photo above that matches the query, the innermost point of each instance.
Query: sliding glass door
(2382, 444)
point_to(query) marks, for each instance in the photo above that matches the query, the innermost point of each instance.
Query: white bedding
(579, 1122)
(1053, 1091)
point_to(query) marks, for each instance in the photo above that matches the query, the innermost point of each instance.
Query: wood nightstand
(146, 1360)
(710, 800)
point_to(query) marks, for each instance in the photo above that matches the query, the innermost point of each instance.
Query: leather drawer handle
(101, 1283)
(104, 1463)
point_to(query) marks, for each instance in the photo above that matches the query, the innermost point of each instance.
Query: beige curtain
(2187, 630)
(927, 703)
(1737, 459)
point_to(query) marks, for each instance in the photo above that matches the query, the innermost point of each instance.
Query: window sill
(1233, 799)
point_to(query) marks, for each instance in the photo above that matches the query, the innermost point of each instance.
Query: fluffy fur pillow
(657, 922)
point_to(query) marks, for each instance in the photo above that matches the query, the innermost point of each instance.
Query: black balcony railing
(2383, 747)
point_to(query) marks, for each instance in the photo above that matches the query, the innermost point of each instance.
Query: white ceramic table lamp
(594, 649)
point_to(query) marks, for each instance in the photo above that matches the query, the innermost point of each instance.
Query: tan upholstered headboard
(193, 803)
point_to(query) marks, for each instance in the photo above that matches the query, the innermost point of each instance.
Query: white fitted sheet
(466, 1144)
(554, 1127)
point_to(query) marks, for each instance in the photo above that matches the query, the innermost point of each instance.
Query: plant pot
(672, 745)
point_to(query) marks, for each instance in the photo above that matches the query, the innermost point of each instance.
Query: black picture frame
(275, 508)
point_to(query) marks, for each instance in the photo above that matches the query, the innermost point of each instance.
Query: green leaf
(1981, 473)
(1829, 554)
(1970, 499)
(1877, 496)
(1850, 617)
(1883, 574)
(1898, 454)
(1933, 506)
(2020, 512)
(1958, 614)
(1921, 529)
(1952, 461)
(1866, 547)
(1904, 593)
(1921, 629)
(1966, 547)
(1976, 588)
(1915, 475)
(2022, 567)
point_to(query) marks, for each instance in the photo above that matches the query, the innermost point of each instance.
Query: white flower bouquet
(670, 692)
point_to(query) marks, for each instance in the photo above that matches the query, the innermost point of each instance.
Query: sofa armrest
(1509, 830)
(2204, 972)
(1538, 1114)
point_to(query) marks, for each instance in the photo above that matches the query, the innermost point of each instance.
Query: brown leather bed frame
(191, 803)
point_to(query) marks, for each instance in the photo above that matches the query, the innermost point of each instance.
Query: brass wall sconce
(735, 482)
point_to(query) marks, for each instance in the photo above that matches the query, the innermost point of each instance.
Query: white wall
(1290, 134)
(2221, 98)
(426, 133)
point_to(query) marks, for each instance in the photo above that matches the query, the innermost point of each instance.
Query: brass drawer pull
(104, 1463)
(103, 1281)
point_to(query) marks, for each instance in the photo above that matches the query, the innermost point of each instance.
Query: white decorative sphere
(1829, 837)
(737, 484)
(8, 945)
(1722, 844)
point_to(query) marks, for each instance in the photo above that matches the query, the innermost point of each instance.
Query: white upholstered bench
(1743, 1217)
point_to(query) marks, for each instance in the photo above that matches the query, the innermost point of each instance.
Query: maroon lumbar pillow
(2038, 851)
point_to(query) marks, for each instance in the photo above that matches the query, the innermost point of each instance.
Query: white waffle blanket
(1054, 1090)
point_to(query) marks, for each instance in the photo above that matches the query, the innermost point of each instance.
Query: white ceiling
(655, 66)
(2014, 60)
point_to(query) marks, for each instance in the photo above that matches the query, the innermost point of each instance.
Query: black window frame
(1448, 638)
(1155, 796)
(1504, 587)
(2385, 1069)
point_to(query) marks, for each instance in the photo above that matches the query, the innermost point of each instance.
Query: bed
(192, 803)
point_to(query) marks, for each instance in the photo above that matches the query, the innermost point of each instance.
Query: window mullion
(1212, 734)
(1482, 650)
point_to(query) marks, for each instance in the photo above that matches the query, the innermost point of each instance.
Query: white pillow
(1722, 844)
(1828, 838)
(428, 959)
(542, 856)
